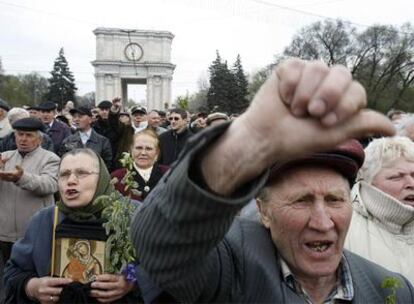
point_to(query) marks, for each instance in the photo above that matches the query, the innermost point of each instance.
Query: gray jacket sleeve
(178, 231)
(45, 182)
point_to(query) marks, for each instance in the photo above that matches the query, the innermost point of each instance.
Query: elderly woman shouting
(82, 178)
(382, 227)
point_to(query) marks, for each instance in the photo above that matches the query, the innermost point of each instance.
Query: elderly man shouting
(193, 246)
(28, 179)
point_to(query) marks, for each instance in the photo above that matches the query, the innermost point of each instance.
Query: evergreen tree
(62, 83)
(241, 102)
(222, 92)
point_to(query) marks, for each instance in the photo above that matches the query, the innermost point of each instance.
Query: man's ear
(263, 212)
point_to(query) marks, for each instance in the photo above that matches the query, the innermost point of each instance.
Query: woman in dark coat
(145, 150)
(83, 179)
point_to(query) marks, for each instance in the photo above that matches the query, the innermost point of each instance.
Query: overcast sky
(32, 32)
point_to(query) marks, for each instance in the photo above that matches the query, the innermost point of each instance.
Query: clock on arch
(133, 51)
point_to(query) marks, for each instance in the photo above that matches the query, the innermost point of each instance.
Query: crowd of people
(306, 197)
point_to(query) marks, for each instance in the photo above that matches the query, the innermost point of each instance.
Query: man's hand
(110, 287)
(302, 108)
(199, 123)
(12, 176)
(3, 161)
(46, 289)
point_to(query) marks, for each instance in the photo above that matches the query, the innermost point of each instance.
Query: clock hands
(131, 45)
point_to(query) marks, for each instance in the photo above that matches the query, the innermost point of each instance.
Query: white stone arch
(133, 57)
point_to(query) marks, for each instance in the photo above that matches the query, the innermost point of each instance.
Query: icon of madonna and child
(81, 264)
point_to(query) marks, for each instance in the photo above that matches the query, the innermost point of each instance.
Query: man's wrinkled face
(27, 141)
(308, 213)
(82, 122)
(154, 119)
(397, 180)
(47, 116)
(177, 122)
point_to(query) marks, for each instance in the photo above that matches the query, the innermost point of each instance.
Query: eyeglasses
(174, 118)
(79, 174)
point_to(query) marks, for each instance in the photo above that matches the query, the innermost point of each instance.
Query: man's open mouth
(319, 246)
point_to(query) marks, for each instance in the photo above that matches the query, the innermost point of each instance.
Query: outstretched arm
(302, 108)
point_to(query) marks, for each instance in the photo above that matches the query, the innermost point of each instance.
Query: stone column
(157, 92)
(166, 92)
(109, 86)
(150, 93)
(99, 87)
(100, 47)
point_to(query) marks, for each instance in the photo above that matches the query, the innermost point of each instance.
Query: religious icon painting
(79, 259)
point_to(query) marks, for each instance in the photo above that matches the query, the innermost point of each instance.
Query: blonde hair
(150, 133)
(382, 153)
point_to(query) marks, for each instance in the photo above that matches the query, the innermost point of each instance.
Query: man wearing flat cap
(107, 124)
(28, 180)
(57, 130)
(5, 127)
(139, 118)
(190, 240)
(86, 137)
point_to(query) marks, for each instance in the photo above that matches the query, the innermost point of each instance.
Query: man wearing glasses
(173, 141)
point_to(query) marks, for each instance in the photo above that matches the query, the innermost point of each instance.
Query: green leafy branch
(118, 213)
(128, 180)
(392, 283)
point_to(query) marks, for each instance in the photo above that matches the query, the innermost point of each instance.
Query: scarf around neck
(393, 215)
(91, 211)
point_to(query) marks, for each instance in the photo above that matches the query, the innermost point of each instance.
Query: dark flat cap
(47, 106)
(4, 105)
(138, 109)
(28, 124)
(33, 107)
(81, 111)
(124, 114)
(345, 158)
(105, 104)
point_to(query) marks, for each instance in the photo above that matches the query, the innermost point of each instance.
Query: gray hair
(383, 152)
(17, 113)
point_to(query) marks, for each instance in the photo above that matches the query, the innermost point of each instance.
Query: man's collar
(87, 133)
(180, 131)
(24, 154)
(344, 289)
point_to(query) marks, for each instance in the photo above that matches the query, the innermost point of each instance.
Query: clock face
(133, 51)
